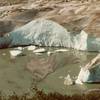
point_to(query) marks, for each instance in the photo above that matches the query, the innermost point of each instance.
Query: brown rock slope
(75, 16)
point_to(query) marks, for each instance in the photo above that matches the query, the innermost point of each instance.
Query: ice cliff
(44, 32)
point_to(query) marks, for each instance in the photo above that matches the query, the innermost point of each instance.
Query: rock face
(5, 27)
(91, 72)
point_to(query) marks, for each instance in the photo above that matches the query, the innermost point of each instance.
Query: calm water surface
(14, 75)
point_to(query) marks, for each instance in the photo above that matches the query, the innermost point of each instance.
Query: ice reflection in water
(18, 74)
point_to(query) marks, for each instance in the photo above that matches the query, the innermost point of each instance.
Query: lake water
(55, 81)
(14, 75)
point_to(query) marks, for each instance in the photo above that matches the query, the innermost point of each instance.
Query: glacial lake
(14, 75)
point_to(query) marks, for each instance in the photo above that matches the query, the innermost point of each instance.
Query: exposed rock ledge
(48, 33)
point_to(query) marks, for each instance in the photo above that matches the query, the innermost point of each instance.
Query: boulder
(91, 72)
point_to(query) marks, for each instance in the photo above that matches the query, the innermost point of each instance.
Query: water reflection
(18, 74)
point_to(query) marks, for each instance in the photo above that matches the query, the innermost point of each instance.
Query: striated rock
(6, 26)
(22, 16)
(81, 9)
(91, 72)
(93, 27)
(9, 2)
